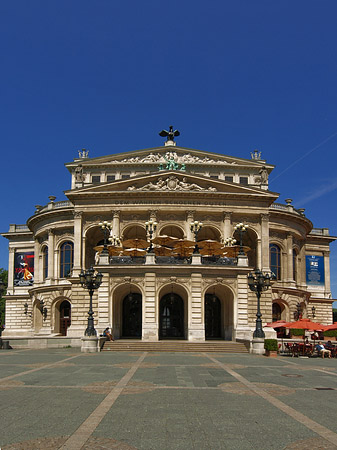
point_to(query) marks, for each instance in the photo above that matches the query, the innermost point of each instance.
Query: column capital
(227, 215)
(116, 213)
(78, 214)
(190, 214)
(264, 217)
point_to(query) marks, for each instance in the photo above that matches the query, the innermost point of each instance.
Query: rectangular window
(215, 177)
(96, 179)
(110, 178)
(125, 176)
(244, 180)
(229, 178)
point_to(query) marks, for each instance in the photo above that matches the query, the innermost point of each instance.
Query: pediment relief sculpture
(171, 183)
(172, 156)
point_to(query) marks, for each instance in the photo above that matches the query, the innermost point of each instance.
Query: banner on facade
(24, 269)
(315, 270)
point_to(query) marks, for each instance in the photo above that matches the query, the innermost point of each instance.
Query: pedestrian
(107, 334)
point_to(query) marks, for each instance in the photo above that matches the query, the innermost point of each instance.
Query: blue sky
(109, 75)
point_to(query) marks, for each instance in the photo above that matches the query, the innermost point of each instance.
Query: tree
(4, 278)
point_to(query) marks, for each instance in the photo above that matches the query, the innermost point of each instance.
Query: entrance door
(212, 317)
(132, 316)
(65, 317)
(171, 320)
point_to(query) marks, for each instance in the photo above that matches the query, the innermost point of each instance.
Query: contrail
(328, 188)
(305, 155)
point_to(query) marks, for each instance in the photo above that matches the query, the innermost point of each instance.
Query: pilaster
(196, 326)
(150, 318)
(227, 225)
(77, 242)
(265, 242)
(51, 255)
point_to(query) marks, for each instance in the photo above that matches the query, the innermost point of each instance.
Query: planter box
(271, 353)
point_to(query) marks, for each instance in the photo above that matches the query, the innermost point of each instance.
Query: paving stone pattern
(62, 399)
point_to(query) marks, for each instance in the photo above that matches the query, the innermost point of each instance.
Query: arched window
(276, 312)
(45, 262)
(66, 258)
(275, 260)
(294, 265)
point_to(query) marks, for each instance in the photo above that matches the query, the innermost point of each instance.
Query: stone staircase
(126, 345)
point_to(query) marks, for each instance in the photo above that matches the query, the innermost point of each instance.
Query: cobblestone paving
(62, 399)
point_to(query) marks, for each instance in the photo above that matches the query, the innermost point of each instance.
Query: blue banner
(315, 270)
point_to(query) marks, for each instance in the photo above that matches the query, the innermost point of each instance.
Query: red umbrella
(277, 324)
(330, 327)
(305, 324)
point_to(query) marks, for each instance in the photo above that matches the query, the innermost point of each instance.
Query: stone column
(265, 266)
(104, 304)
(77, 242)
(51, 256)
(189, 219)
(240, 312)
(196, 325)
(11, 270)
(116, 222)
(38, 265)
(258, 253)
(327, 288)
(227, 229)
(150, 309)
(290, 261)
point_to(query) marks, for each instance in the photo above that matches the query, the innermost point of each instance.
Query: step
(176, 346)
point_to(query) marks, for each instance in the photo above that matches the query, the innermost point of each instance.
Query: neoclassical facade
(167, 294)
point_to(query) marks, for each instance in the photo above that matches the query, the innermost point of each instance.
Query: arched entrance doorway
(65, 317)
(171, 317)
(132, 316)
(212, 317)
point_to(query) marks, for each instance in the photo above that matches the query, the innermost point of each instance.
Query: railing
(287, 208)
(219, 261)
(13, 227)
(320, 231)
(172, 260)
(54, 205)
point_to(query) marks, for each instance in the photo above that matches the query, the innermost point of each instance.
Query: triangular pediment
(161, 156)
(168, 183)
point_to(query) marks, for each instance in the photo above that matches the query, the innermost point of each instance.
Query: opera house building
(174, 233)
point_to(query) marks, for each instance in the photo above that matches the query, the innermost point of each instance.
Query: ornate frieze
(186, 158)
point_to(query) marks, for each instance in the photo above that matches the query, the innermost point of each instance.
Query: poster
(315, 270)
(24, 269)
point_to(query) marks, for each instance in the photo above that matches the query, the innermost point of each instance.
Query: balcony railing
(172, 260)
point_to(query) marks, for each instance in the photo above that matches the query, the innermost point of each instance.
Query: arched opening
(93, 237)
(249, 239)
(65, 317)
(171, 317)
(45, 262)
(66, 259)
(134, 232)
(294, 264)
(208, 232)
(219, 312)
(132, 316)
(172, 230)
(212, 317)
(275, 260)
(276, 312)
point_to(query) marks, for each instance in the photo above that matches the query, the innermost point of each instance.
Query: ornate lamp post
(106, 227)
(195, 228)
(91, 282)
(241, 228)
(150, 227)
(258, 282)
(229, 241)
(115, 241)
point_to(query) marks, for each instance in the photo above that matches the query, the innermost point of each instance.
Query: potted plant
(271, 347)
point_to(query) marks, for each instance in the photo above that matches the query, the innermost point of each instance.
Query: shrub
(271, 345)
(330, 333)
(297, 332)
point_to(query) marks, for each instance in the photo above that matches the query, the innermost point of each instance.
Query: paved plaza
(64, 399)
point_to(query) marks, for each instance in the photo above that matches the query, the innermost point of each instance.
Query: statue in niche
(263, 175)
(79, 177)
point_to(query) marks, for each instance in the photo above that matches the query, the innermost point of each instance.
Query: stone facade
(173, 186)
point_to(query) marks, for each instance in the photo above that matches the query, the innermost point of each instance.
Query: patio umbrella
(183, 252)
(135, 243)
(305, 324)
(209, 245)
(181, 244)
(214, 252)
(167, 241)
(277, 324)
(134, 252)
(333, 326)
(163, 251)
(233, 251)
(113, 251)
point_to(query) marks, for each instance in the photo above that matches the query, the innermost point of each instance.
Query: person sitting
(322, 350)
(107, 334)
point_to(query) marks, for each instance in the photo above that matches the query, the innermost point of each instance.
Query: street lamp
(106, 227)
(313, 310)
(241, 228)
(258, 282)
(195, 228)
(150, 227)
(91, 282)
